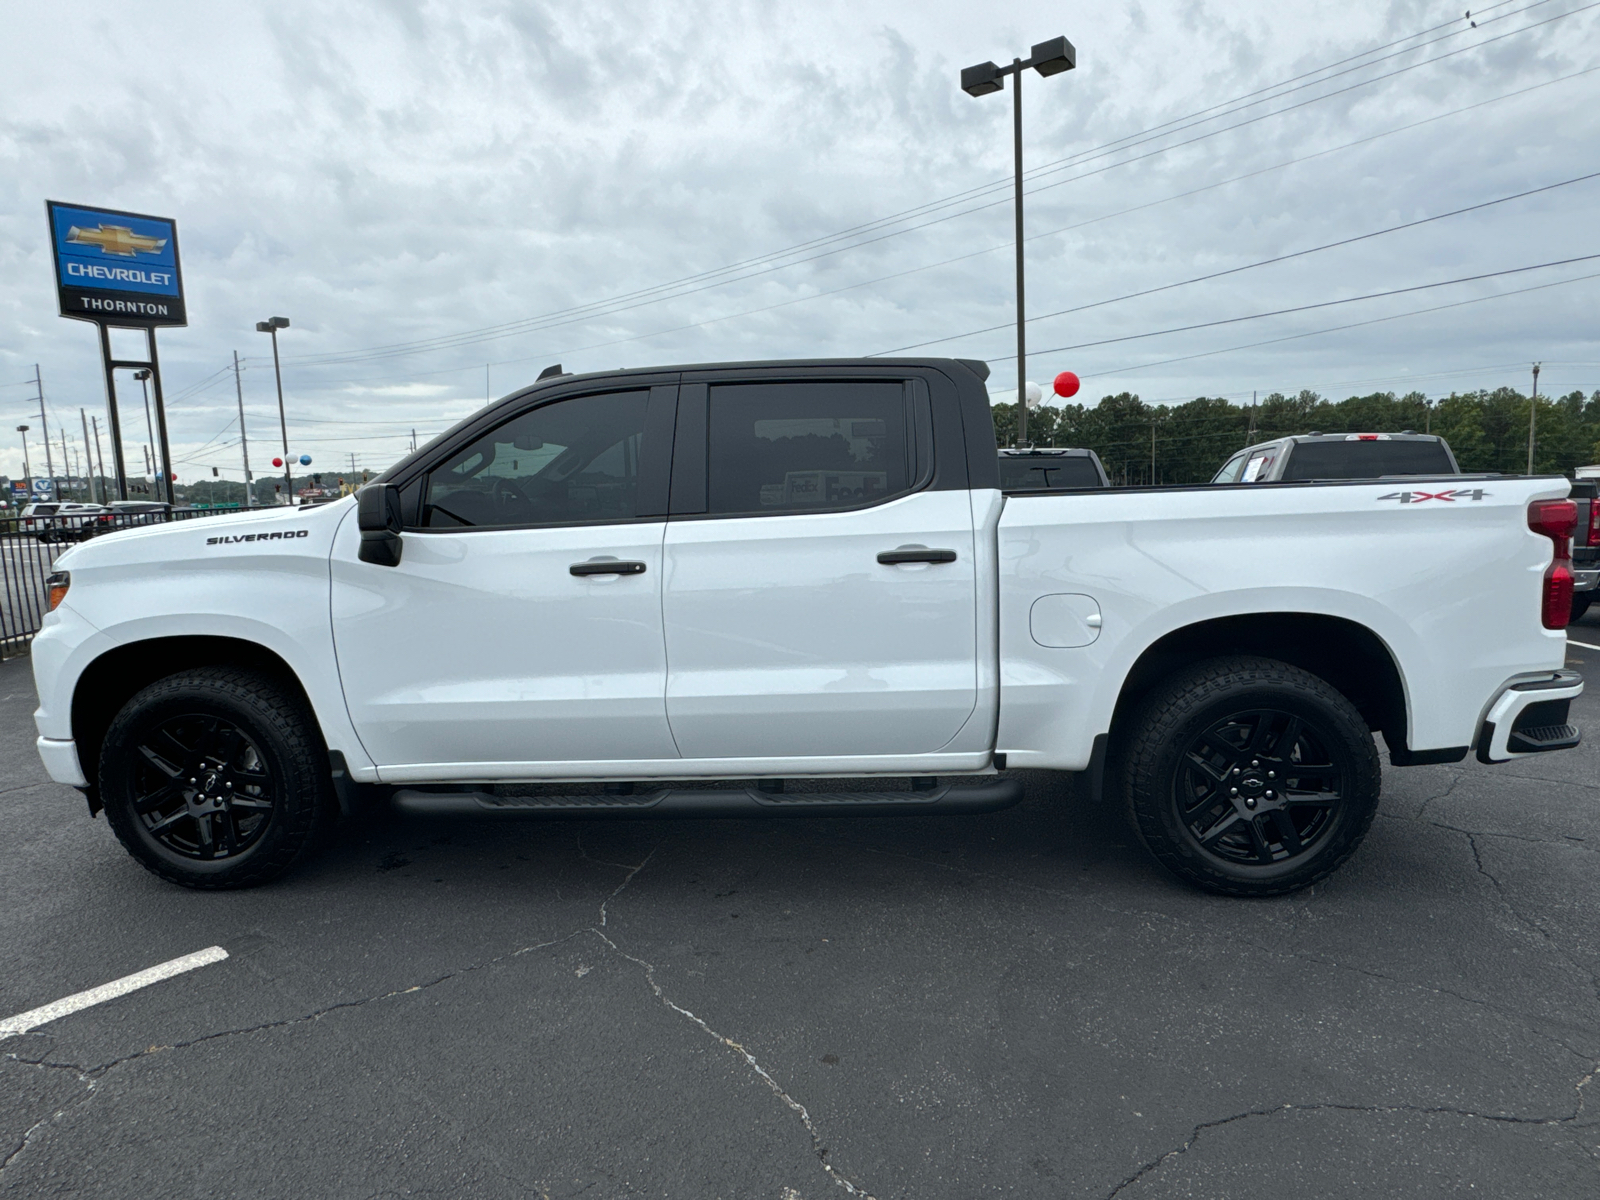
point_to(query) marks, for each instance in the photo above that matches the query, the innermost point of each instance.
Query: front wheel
(215, 778)
(1250, 777)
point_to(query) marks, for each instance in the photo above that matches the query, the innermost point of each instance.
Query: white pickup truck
(797, 588)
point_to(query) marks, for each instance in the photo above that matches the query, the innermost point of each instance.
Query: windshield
(1367, 460)
(1048, 472)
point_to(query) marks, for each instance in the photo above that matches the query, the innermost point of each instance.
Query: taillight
(1594, 522)
(56, 586)
(1556, 519)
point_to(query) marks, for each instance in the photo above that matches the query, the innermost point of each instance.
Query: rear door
(820, 591)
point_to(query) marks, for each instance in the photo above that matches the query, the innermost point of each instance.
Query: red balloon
(174, 477)
(277, 462)
(1066, 384)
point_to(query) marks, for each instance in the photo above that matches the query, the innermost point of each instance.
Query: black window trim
(661, 408)
(691, 449)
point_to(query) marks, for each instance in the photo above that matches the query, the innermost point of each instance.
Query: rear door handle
(915, 554)
(607, 566)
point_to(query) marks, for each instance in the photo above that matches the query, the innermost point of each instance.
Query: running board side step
(952, 798)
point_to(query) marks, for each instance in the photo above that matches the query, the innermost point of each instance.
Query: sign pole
(44, 427)
(86, 443)
(111, 406)
(161, 422)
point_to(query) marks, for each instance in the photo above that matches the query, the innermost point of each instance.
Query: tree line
(1187, 443)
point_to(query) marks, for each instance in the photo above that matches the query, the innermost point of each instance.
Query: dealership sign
(117, 268)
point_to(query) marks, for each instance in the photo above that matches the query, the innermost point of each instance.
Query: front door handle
(915, 554)
(607, 566)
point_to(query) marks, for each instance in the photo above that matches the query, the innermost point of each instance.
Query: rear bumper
(61, 761)
(1585, 579)
(1530, 717)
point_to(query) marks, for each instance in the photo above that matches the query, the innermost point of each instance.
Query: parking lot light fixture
(272, 325)
(1047, 58)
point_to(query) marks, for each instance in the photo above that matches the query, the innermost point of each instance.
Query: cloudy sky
(445, 198)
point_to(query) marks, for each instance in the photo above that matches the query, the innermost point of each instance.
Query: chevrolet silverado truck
(799, 589)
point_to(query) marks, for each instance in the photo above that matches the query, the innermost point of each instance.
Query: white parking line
(33, 1018)
(1585, 645)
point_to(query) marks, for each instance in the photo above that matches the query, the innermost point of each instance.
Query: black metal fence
(30, 545)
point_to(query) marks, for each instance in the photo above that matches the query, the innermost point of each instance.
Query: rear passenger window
(1230, 470)
(804, 447)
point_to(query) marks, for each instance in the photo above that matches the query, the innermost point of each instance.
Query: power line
(1339, 328)
(642, 297)
(1265, 262)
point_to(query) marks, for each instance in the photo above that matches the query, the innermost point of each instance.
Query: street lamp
(143, 376)
(1048, 58)
(27, 472)
(272, 325)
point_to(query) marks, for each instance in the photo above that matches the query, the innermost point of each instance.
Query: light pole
(27, 471)
(272, 325)
(1047, 58)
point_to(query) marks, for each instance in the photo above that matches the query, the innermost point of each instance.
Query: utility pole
(1533, 412)
(486, 383)
(1152, 450)
(413, 441)
(1250, 433)
(86, 453)
(77, 468)
(244, 442)
(44, 428)
(65, 461)
(101, 455)
(27, 471)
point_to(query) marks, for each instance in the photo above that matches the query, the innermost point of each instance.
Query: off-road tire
(1159, 774)
(282, 739)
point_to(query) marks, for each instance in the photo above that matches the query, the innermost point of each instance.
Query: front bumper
(61, 761)
(1530, 717)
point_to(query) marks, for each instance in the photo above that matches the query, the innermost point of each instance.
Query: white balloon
(1033, 395)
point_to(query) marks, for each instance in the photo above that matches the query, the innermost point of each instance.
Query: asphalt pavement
(1019, 1004)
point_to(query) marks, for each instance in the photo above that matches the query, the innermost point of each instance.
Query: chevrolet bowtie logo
(116, 239)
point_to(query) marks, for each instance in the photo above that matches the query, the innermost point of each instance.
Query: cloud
(393, 176)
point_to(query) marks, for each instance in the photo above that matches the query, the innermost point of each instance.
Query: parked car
(1585, 545)
(784, 588)
(1050, 470)
(60, 521)
(125, 514)
(1316, 456)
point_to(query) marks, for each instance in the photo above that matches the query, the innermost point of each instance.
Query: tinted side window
(801, 447)
(1047, 471)
(1366, 460)
(563, 463)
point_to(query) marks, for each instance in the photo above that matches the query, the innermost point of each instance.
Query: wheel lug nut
(1272, 774)
(1255, 762)
(1269, 794)
(1235, 771)
(1250, 803)
(1233, 791)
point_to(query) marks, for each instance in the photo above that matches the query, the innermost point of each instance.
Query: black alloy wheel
(202, 787)
(1248, 776)
(216, 777)
(1259, 787)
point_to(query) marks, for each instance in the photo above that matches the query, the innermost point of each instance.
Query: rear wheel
(1250, 777)
(215, 778)
(1580, 603)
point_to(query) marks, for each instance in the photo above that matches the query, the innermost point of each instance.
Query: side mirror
(378, 518)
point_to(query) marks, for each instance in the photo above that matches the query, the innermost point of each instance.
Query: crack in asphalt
(1444, 795)
(1268, 947)
(818, 1146)
(90, 1076)
(1369, 1109)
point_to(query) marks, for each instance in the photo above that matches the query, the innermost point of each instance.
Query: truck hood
(283, 529)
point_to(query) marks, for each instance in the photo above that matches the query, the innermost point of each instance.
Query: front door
(523, 623)
(824, 604)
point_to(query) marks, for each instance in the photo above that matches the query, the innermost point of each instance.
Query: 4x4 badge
(1452, 497)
